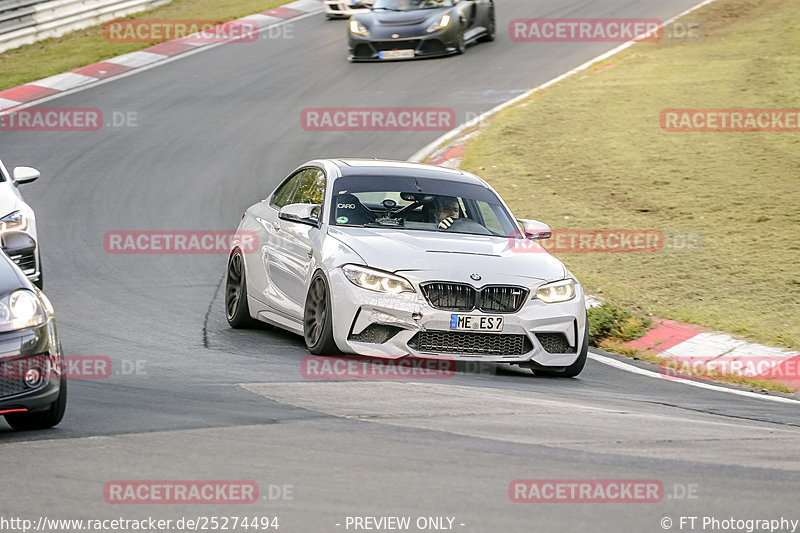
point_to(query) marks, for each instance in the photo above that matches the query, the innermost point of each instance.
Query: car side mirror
(17, 243)
(535, 230)
(25, 174)
(302, 213)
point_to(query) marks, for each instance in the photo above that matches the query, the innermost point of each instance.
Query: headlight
(13, 221)
(358, 28)
(48, 307)
(443, 23)
(560, 291)
(19, 310)
(375, 280)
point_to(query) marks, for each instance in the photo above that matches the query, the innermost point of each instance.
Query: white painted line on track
(699, 384)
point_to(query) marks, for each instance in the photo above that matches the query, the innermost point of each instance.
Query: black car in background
(33, 387)
(408, 29)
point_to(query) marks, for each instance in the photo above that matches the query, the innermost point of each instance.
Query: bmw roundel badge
(476, 277)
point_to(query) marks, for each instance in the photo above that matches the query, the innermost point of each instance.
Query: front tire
(491, 30)
(44, 419)
(318, 318)
(236, 309)
(461, 45)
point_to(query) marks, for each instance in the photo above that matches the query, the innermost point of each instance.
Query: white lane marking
(168, 59)
(449, 136)
(64, 81)
(706, 345)
(7, 104)
(650, 374)
(136, 59)
(263, 20)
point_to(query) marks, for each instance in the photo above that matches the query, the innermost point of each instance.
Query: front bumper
(369, 48)
(380, 325)
(24, 349)
(27, 259)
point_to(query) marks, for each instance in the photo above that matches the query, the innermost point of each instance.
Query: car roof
(403, 169)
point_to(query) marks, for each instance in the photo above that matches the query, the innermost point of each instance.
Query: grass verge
(589, 153)
(83, 47)
(612, 320)
(613, 324)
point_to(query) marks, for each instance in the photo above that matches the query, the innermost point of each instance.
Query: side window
(311, 189)
(490, 219)
(286, 192)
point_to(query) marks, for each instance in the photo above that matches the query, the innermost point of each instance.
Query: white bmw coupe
(394, 259)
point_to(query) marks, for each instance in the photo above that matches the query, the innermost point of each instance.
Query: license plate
(396, 54)
(476, 323)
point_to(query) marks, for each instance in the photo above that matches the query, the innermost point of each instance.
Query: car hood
(404, 18)
(403, 250)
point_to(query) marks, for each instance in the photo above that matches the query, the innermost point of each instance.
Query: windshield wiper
(387, 9)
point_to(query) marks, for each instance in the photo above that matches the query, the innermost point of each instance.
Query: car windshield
(419, 204)
(410, 5)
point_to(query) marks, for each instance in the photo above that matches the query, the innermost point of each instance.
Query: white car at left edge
(16, 216)
(345, 8)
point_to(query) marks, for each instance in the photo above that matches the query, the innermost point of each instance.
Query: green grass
(617, 321)
(589, 153)
(80, 48)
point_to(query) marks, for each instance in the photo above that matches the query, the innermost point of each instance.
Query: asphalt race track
(216, 131)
